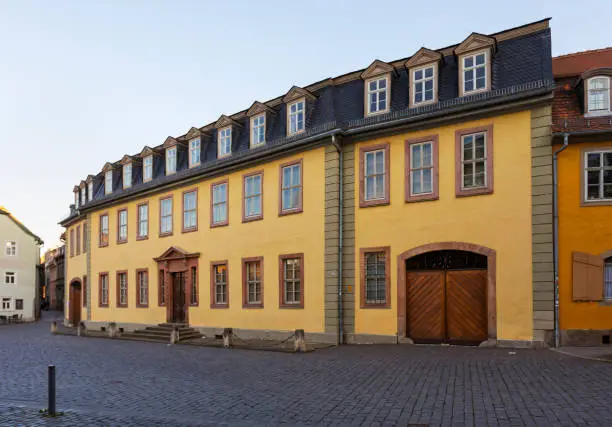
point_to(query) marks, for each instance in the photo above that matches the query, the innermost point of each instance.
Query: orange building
(582, 132)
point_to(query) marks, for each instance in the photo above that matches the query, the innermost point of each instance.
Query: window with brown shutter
(588, 278)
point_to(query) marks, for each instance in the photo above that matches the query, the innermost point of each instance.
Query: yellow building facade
(397, 224)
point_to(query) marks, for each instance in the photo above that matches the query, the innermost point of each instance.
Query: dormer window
(83, 195)
(598, 95)
(194, 152)
(378, 95)
(225, 141)
(76, 199)
(296, 117)
(474, 73)
(90, 190)
(423, 85)
(108, 182)
(127, 175)
(147, 168)
(170, 160)
(258, 130)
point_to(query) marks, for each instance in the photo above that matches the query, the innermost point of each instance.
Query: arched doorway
(74, 314)
(446, 293)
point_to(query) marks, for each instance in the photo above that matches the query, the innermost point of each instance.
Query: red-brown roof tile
(575, 64)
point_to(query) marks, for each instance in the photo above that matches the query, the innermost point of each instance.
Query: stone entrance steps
(162, 333)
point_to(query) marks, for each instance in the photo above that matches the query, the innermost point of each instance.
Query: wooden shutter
(588, 279)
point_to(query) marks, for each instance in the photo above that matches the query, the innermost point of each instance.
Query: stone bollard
(228, 337)
(81, 329)
(112, 330)
(54, 327)
(174, 336)
(300, 344)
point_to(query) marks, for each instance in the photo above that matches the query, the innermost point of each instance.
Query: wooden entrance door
(75, 305)
(425, 306)
(447, 306)
(466, 305)
(178, 297)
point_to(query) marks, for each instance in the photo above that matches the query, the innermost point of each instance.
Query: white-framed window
(6, 303)
(166, 216)
(423, 85)
(296, 117)
(374, 174)
(608, 278)
(291, 187)
(90, 190)
(147, 168)
(194, 152)
(258, 130)
(598, 175)
(170, 160)
(11, 248)
(10, 278)
(143, 288)
(123, 289)
(225, 141)
(123, 224)
(76, 199)
(375, 278)
(104, 236)
(19, 304)
(253, 282)
(252, 196)
(292, 281)
(127, 175)
(598, 94)
(474, 160)
(421, 168)
(220, 283)
(219, 203)
(104, 289)
(190, 210)
(108, 182)
(474, 72)
(143, 220)
(83, 195)
(378, 95)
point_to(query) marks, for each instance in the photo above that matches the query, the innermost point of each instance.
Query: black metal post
(51, 407)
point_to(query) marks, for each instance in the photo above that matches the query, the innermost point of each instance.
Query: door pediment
(174, 253)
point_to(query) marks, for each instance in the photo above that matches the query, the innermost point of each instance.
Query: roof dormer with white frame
(474, 56)
(423, 74)
(377, 88)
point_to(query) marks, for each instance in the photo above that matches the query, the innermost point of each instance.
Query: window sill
(100, 245)
(296, 133)
(142, 305)
(586, 204)
(291, 306)
(253, 305)
(120, 242)
(189, 230)
(290, 211)
(475, 92)
(103, 305)
(371, 203)
(422, 198)
(122, 306)
(377, 113)
(474, 192)
(197, 304)
(367, 306)
(219, 224)
(166, 234)
(252, 218)
(219, 306)
(422, 103)
(142, 237)
(597, 114)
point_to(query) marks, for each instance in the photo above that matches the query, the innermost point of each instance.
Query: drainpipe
(338, 145)
(556, 237)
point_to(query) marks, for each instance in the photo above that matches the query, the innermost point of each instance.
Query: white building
(19, 262)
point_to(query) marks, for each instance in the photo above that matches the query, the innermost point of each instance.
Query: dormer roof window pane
(147, 169)
(599, 95)
(108, 182)
(296, 117)
(170, 160)
(83, 195)
(475, 72)
(90, 190)
(378, 95)
(127, 175)
(194, 152)
(258, 130)
(225, 141)
(423, 85)
(76, 199)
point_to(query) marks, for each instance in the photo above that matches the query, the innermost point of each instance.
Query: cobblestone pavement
(108, 382)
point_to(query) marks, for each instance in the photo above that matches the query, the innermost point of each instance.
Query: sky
(85, 82)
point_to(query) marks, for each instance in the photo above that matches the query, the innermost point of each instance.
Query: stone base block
(585, 337)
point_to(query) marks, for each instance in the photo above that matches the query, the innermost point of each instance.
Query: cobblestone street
(106, 382)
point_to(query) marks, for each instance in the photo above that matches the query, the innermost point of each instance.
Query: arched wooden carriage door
(449, 296)
(179, 271)
(74, 313)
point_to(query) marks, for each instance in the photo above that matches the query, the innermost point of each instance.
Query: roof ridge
(583, 52)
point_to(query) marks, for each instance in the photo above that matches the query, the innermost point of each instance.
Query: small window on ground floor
(18, 304)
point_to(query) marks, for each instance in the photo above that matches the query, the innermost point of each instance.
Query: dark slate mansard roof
(521, 68)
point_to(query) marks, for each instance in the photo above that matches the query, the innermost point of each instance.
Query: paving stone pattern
(113, 382)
